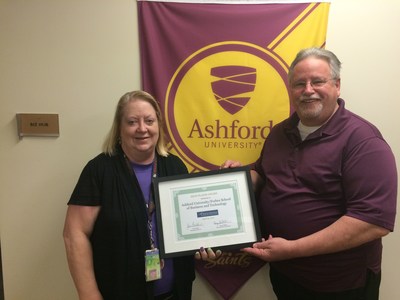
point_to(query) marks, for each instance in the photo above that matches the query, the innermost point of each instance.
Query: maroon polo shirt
(343, 168)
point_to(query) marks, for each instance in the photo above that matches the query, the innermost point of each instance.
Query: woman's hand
(204, 254)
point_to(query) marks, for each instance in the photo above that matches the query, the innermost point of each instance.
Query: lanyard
(150, 206)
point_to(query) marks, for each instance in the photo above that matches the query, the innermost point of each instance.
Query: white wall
(76, 58)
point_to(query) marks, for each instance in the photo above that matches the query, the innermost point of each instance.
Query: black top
(120, 237)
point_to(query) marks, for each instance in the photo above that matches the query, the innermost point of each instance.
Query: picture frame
(213, 209)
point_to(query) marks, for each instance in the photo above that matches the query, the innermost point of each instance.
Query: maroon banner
(229, 272)
(219, 72)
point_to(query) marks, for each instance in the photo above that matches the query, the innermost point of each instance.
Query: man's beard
(309, 111)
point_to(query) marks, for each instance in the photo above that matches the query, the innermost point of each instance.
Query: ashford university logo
(233, 86)
(223, 101)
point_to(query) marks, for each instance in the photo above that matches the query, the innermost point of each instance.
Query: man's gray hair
(319, 53)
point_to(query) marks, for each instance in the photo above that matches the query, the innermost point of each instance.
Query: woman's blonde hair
(113, 137)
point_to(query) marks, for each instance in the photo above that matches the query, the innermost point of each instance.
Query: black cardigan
(120, 238)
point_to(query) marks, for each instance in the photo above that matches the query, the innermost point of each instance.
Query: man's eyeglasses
(315, 83)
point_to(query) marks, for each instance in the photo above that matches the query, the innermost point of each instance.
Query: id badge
(152, 265)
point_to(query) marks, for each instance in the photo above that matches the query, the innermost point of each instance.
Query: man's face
(313, 93)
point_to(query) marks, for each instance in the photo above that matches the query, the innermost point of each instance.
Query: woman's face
(139, 131)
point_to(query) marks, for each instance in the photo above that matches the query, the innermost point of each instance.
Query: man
(327, 186)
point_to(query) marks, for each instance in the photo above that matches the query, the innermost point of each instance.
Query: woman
(110, 221)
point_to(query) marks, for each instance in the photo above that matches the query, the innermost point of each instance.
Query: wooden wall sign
(38, 125)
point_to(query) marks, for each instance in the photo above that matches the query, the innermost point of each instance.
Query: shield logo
(233, 86)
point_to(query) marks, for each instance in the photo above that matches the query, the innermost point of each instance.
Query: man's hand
(273, 249)
(230, 164)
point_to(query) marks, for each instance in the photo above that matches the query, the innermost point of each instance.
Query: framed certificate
(208, 209)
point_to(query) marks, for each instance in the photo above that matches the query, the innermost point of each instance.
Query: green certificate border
(203, 189)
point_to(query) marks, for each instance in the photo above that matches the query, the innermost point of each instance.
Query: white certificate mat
(208, 209)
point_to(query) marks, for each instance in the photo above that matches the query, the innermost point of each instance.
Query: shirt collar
(329, 128)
